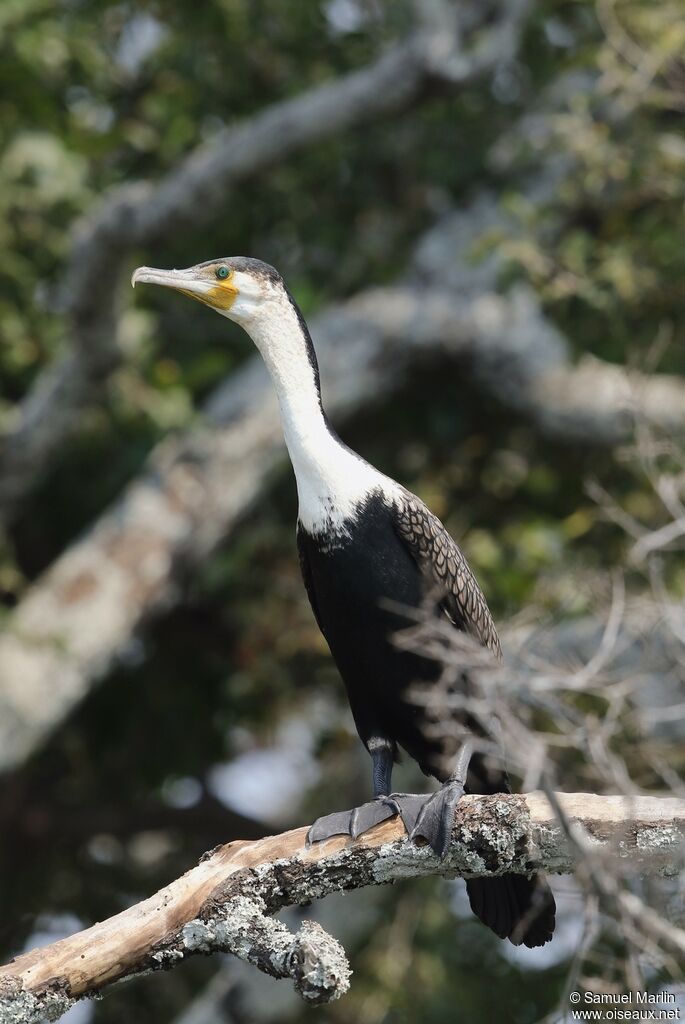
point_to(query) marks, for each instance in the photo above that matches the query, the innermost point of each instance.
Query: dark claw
(436, 818)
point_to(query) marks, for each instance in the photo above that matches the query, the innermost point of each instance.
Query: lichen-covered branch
(226, 902)
(312, 959)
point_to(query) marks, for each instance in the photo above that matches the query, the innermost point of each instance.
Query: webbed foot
(425, 816)
(409, 807)
(436, 817)
(360, 819)
(351, 823)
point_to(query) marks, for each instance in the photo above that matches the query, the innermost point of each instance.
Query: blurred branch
(517, 356)
(448, 51)
(225, 903)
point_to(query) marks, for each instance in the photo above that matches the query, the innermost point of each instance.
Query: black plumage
(395, 555)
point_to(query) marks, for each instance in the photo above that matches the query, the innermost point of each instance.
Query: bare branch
(225, 902)
(658, 540)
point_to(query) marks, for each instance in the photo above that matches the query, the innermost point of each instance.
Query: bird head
(239, 288)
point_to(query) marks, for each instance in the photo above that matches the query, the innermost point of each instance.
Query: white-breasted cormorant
(368, 546)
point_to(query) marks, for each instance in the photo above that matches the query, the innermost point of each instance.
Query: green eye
(222, 273)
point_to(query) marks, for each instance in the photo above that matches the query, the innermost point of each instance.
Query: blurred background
(481, 210)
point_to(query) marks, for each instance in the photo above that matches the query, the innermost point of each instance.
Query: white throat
(332, 481)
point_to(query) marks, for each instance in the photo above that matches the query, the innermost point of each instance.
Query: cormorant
(368, 546)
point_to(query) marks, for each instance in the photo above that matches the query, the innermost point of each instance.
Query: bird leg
(407, 805)
(360, 819)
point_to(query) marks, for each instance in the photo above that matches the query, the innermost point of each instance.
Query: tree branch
(225, 902)
(516, 355)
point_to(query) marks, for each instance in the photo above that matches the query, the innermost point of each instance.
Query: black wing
(438, 556)
(307, 576)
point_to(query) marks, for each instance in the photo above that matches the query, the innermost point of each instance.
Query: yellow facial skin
(221, 296)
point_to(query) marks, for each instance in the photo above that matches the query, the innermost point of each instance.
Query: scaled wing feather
(438, 556)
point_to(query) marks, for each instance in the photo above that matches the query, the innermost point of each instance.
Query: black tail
(515, 907)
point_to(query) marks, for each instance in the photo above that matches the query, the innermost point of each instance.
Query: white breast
(332, 488)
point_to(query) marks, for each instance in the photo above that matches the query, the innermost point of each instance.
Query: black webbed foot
(368, 815)
(436, 818)
(351, 823)
(337, 824)
(425, 816)
(408, 806)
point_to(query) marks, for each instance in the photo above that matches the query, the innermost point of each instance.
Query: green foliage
(605, 252)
